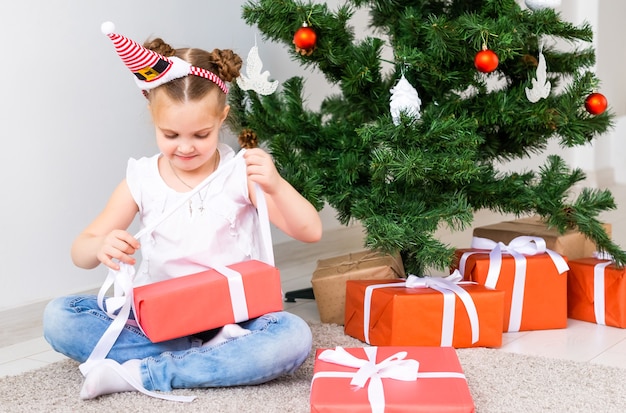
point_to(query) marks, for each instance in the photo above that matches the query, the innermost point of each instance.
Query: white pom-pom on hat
(107, 27)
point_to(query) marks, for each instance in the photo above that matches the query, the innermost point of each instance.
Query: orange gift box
(439, 386)
(583, 301)
(544, 290)
(400, 316)
(163, 309)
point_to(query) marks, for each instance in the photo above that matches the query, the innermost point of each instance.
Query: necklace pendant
(201, 209)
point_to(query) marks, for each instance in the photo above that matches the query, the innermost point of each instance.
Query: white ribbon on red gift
(237, 292)
(395, 367)
(122, 281)
(599, 306)
(518, 248)
(445, 285)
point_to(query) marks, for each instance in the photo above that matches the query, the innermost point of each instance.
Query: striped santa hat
(152, 69)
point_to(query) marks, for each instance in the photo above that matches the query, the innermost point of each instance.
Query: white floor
(22, 348)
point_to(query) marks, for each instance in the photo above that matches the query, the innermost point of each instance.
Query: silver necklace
(201, 208)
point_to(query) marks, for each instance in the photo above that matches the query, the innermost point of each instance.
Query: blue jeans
(278, 343)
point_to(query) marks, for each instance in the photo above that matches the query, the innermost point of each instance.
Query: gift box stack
(330, 277)
(518, 275)
(403, 374)
(514, 278)
(543, 295)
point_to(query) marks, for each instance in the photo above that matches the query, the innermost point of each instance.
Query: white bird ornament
(256, 80)
(540, 85)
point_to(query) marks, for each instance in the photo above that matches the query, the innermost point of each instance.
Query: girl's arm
(106, 237)
(287, 209)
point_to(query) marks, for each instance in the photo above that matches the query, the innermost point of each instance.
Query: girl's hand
(261, 169)
(119, 245)
(287, 209)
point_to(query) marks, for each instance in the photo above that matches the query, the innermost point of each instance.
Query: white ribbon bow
(518, 248)
(448, 286)
(396, 367)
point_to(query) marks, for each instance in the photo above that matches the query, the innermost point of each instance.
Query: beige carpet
(499, 382)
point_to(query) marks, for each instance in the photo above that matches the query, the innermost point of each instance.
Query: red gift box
(596, 292)
(534, 280)
(387, 313)
(163, 309)
(389, 379)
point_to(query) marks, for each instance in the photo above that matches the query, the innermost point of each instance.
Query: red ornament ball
(305, 38)
(596, 103)
(486, 61)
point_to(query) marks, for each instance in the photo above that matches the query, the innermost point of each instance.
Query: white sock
(104, 379)
(227, 332)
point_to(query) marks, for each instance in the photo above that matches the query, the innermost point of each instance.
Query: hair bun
(158, 45)
(228, 64)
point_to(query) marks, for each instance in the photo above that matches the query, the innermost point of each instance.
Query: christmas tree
(413, 143)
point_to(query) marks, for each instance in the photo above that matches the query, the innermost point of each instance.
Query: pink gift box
(162, 308)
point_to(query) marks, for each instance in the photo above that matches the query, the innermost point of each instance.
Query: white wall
(601, 159)
(611, 51)
(71, 116)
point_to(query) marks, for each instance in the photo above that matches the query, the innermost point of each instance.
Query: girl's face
(187, 133)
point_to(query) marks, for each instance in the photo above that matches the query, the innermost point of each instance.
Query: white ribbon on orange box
(599, 306)
(445, 285)
(518, 248)
(396, 367)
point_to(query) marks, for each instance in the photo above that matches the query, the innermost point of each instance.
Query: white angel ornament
(540, 85)
(256, 80)
(404, 98)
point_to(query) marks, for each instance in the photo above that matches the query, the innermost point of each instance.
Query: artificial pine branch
(404, 181)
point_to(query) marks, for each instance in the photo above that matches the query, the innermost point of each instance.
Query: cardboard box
(193, 303)
(572, 244)
(331, 391)
(330, 276)
(401, 316)
(544, 289)
(581, 292)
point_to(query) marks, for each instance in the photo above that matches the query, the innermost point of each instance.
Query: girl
(187, 101)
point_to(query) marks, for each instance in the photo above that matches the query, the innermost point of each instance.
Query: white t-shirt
(219, 225)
